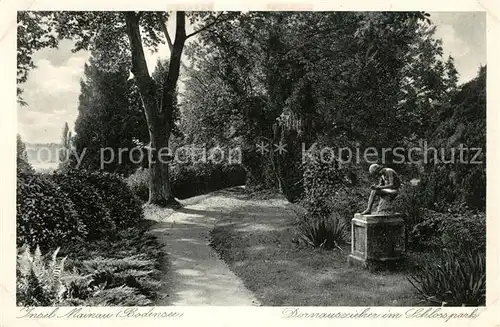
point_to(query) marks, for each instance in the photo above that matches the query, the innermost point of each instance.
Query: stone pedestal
(377, 240)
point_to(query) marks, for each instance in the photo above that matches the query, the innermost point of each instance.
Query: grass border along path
(256, 240)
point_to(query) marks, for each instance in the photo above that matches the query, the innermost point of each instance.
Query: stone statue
(387, 189)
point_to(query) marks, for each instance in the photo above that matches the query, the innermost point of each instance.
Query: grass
(260, 245)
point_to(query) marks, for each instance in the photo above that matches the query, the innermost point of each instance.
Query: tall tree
(121, 32)
(109, 116)
(66, 147)
(305, 76)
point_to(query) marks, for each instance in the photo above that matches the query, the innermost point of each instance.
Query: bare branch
(163, 24)
(215, 21)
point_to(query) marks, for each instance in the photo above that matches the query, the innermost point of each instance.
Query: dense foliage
(95, 221)
(109, 117)
(21, 157)
(461, 122)
(124, 208)
(92, 206)
(461, 231)
(46, 217)
(372, 84)
(72, 206)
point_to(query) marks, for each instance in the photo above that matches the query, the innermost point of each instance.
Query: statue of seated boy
(387, 189)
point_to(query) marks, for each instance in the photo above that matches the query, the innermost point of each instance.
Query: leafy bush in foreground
(90, 203)
(45, 216)
(451, 278)
(124, 207)
(121, 264)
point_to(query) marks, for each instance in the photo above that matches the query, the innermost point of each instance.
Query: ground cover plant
(83, 240)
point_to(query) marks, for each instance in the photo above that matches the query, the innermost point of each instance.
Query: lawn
(259, 243)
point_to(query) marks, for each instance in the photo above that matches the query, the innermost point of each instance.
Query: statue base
(377, 241)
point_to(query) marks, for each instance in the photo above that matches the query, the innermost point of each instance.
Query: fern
(39, 284)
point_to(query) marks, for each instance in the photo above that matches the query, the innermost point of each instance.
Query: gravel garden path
(195, 275)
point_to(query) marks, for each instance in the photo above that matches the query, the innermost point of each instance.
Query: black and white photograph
(252, 159)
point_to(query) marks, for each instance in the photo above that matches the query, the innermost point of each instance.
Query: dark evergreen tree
(109, 118)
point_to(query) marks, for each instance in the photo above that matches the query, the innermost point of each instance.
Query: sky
(52, 89)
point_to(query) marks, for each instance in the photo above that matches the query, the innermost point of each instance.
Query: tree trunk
(159, 117)
(160, 191)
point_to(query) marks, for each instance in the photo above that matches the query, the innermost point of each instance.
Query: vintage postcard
(249, 163)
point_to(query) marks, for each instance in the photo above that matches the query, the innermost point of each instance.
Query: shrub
(324, 233)
(45, 216)
(321, 181)
(190, 180)
(139, 183)
(38, 283)
(89, 202)
(461, 230)
(123, 206)
(408, 202)
(330, 188)
(201, 178)
(451, 278)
